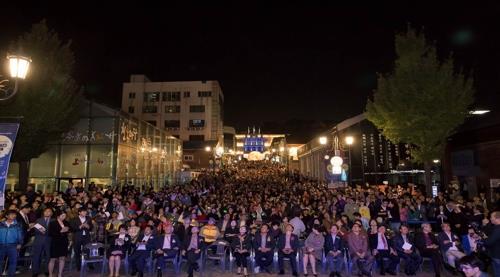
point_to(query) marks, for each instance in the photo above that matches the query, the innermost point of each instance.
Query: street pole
(350, 167)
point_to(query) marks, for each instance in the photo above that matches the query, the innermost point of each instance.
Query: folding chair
(93, 253)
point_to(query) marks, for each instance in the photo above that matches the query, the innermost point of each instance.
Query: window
(196, 123)
(151, 97)
(188, 157)
(173, 109)
(197, 108)
(172, 123)
(131, 109)
(152, 122)
(149, 109)
(171, 96)
(187, 94)
(131, 95)
(204, 94)
(196, 138)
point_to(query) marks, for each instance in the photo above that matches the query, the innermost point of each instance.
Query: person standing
(41, 244)
(11, 240)
(58, 231)
(81, 226)
(492, 243)
(287, 245)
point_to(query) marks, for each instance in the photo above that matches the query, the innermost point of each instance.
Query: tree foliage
(423, 100)
(48, 98)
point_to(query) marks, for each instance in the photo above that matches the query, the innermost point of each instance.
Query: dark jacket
(493, 242)
(331, 245)
(398, 242)
(420, 241)
(246, 243)
(174, 242)
(445, 246)
(373, 241)
(150, 244)
(294, 242)
(270, 242)
(40, 237)
(78, 234)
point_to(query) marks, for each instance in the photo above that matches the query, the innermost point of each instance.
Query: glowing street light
(208, 148)
(436, 161)
(323, 140)
(18, 67)
(349, 140)
(282, 149)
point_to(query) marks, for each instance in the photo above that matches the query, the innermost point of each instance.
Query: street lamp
(349, 140)
(323, 140)
(208, 148)
(18, 67)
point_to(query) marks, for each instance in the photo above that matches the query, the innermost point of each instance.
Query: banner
(8, 133)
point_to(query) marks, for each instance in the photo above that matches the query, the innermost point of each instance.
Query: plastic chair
(220, 254)
(93, 253)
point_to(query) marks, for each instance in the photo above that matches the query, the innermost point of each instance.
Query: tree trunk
(428, 178)
(24, 168)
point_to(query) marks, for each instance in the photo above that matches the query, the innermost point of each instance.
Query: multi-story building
(189, 110)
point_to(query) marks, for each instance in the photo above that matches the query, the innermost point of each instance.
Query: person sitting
(287, 245)
(263, 245)
(193, 246)
(210, 232)
(120, 245)
(428, 246)
(241, 246)
(333, 251)
(141, 250)
(405, 247)
(450, 245)
(381, 247)
(472, 266)
(313, 249)
(166, 247)
(358, 248)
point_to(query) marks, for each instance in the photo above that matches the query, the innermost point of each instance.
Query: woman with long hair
(241, 246)
(58, 232)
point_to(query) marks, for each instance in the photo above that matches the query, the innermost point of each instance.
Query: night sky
(273, 63)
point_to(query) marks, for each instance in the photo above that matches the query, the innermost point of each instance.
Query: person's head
(211, 221)
(289, 228)
(132, 223)
(26, 209)
(122, 229)
(243, 230)
(373, 224)
(357, 215)
(426, 227)
(11, 215)
(334, 229)
(495, 218)
(446, 227)
(47, 212)
(82, 211)
(60, 215)
(264, 229)
(233, 223)
(356, 228)
(195, 230)
(471, 266)
(381, 229)
(315, 228)
(148, 230)
(403, 229)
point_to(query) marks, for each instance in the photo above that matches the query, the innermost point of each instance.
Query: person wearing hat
(359, 250)
(166, 247)
(81, 226)
(241, 246)
(288, 244)
(382, 248)
(210, 232)
(192, 250)
(263, 245)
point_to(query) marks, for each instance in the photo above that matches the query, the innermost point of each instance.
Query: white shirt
(166, 242)
(380, 243)
(83, 220)
(298, 226)
(453, 246)
(143, 246)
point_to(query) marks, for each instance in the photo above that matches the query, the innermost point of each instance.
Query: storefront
(107, 147)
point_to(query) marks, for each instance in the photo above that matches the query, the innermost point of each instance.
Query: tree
(47, 100)
(422, 101)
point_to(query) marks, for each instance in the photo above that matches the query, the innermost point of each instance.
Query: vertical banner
(8, 133)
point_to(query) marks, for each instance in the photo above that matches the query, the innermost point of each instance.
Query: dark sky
(274, 63)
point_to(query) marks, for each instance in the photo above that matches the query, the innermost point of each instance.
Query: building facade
(188, 110)
(106, 147)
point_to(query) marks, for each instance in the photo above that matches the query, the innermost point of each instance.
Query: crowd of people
(258, 209)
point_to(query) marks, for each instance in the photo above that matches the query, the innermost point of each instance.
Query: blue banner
(8, 133)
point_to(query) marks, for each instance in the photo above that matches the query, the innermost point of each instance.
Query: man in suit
(41, 244)
(23, 220)
(81, 226)
(333, 251)
(405, 247)
(358, 248)
(193, 246)
(381, 247)
(450, 245)
(142, 249)
(288, 244)
(166, 247)
(263, 244)
(428, 246)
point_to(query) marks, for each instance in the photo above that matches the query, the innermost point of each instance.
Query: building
(229, 140)
(106, 147)
(189, 110)
(271, 146)
(373, 158)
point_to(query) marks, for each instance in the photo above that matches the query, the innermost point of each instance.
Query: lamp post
(349, 140)
(18, 67)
